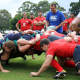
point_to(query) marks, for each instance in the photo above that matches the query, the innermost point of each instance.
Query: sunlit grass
(20, 70)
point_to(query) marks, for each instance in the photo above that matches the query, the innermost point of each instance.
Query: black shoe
(77, 74)
(59, 75)
(24, 58)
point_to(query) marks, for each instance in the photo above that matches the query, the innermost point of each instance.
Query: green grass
(20, 70)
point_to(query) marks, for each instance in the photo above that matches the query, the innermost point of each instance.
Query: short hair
(44, 41)
(24, 13)
(53, 4)
(64, 14)
(31, 14)
(10, 44)
(39, 11)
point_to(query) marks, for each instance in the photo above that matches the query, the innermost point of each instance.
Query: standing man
(70, 20)
(40, 21)
(55, 18)
(65, 29)
(24, 23)
(32, 19)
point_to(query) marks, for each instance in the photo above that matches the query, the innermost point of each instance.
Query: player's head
(44, 44)
(31, 16)
(72, 14)
(24, 15)
(53, 7)
(40, 13)
(64, 14)
(8, 46)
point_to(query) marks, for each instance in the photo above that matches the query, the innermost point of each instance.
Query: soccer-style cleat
(24, 58)
(59, 75)
(77, 74)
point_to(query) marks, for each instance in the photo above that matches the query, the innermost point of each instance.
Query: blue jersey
(55, 19)
(15, 37)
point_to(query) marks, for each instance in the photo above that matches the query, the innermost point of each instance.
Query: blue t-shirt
(55, 19)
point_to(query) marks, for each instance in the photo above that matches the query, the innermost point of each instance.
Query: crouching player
(59, 48)
(7, 47)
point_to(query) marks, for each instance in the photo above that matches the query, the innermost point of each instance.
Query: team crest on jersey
(27, 21)
(53, 18)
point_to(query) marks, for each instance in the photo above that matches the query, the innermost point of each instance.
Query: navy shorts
(76, 54)
(54, 37)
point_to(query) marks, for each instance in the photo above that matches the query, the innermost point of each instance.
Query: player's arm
(17, 26)
(37, 23)
(1, 68)
(40, 23)
(68, 39)
(23, 48)
(47, 24)
(27, 32)
(73, 36)
(63, 22)
(37, 37)
(31, 26)
(44, 66)
(26, 42)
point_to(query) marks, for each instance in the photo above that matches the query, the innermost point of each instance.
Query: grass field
(20, 70)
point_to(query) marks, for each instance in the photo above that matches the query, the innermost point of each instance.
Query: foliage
(75, 7)
(30, 7)
(5, 16)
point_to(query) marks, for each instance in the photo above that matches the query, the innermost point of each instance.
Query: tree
(75, 7)
(59, 7)
(5, 16)
(44, 6)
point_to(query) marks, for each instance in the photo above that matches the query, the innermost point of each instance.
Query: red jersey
(34, 26)
(40, 19)
(61, 48)
(73, 42)
(25, 24)
(37, 45)
(70, 20)
(65, 25)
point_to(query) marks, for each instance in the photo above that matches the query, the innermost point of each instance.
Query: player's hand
(56, 28)
(33, 74)
(76, 39)
(5, 71)
(19, 30)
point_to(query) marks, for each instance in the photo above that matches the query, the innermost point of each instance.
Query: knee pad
(78, 66)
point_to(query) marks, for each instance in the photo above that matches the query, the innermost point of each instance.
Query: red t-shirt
(37, 45)
(34, 26)
(65, 25)
(61, 48)
(25, 24)
(40, 19)
(70, 20)
(73, 42)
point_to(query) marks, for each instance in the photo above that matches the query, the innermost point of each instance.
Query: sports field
(20, 70)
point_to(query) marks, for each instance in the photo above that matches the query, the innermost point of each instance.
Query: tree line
(7, 22)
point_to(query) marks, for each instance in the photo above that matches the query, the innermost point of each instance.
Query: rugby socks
(55, 64)
(69, 64)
